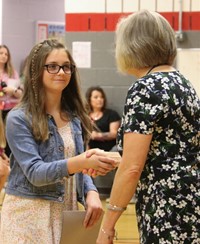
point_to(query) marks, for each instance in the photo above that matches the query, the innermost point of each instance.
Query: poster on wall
(81, 52)
(50, 30)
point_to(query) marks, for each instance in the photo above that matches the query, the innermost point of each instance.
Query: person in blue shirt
(46, 132)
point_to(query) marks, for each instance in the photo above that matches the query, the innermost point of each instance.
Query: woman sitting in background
(106, 121)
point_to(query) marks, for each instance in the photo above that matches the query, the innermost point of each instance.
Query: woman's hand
(91, 159)
(94, 173)
(104, 163)
(98, 136)
(114, 155)
(90, 172)
(94, 209)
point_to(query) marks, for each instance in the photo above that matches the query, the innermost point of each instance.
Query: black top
(103, 124)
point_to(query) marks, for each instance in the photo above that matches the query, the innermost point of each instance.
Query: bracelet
(110, 237)
(115, 208)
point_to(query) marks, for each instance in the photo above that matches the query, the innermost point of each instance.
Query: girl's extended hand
(113, 155)
(97, 136)
(107, 163)
(92, 159)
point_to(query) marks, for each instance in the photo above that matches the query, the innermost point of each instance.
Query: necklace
(151, 69)
(95, 116)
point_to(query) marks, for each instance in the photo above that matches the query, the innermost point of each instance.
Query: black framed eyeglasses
(55, 68)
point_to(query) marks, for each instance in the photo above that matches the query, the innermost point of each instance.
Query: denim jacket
(38, 168)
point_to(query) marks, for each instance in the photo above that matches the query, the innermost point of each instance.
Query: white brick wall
(150, 5)
(165, 6)
(114, 6)
(84, 6)
(130, 6)
(185, 5)
(195, 5)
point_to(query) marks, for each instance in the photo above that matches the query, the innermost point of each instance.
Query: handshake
(105, 162)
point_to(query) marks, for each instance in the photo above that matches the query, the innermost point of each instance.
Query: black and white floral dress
(168, 194)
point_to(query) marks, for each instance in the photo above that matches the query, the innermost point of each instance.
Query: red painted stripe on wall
(108, 21)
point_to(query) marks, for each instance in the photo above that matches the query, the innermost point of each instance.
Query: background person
(10, 89)
(45, 133)
(106, 123)
(159, 137)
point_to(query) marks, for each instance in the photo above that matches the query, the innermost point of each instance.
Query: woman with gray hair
(159, 137)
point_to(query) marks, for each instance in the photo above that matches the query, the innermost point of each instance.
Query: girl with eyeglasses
(46, 133)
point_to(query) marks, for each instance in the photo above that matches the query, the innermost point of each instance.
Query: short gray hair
(144, 39)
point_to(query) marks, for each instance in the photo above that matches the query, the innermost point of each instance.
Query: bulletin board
(81, 52)
(188, 63)
(50, 30)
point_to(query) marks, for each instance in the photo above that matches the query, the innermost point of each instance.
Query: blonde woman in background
(10, 88)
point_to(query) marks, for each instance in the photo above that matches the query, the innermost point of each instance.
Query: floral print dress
(38, 220)
(168, 194)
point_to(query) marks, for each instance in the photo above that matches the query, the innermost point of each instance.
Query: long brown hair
(33, 98)
(9, 68)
